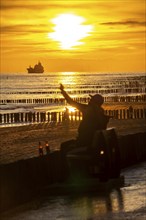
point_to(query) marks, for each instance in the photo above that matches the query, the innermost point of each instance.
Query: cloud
(21, 4)
(40, 5)
(22, 29)
(57, 4)
(128, 22)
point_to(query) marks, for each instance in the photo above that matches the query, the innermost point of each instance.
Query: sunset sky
(77, 35)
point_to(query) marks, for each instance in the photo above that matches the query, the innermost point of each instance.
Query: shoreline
(117, 110)
(42, 107)
(21, 142)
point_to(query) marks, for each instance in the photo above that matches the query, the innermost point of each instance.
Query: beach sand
(21, 142)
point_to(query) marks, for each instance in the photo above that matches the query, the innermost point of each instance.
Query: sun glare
(69, 29)
(71, 109)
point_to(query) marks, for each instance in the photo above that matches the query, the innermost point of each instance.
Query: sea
(125, 203)
(19, 90)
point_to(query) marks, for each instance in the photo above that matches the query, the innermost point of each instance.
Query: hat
(98, 99)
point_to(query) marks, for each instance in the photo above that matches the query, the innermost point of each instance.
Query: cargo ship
(38, 68)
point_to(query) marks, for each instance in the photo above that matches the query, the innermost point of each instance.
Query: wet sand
(21, 142)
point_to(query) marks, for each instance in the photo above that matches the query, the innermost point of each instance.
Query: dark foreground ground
(21, 142)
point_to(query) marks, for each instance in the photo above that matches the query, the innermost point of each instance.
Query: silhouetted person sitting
(93, 117)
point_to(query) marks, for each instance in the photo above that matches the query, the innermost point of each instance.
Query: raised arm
(66, 96)
(70, 101)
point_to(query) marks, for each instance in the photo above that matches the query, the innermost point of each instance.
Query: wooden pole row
(88, 90)
(115, 98)
(32, 117)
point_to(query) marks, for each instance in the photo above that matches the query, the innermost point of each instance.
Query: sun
(69, 29)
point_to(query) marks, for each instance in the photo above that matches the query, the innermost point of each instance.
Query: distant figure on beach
(66, 114)
(47, 148)
(93, 117)
(40, 149)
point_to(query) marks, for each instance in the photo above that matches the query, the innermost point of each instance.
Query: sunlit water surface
(42, 86)
(128, 203)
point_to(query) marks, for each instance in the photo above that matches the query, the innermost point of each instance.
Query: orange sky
(78, 35)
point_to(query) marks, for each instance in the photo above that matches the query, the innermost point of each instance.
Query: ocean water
(128, 202)
(18, 86)
(125, 203)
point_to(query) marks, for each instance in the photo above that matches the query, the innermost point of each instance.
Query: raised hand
(61, 87)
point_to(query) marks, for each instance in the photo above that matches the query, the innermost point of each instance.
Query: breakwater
(33, 117)
(82, 97)
(22, 180)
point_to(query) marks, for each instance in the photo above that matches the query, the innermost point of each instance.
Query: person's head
(96, 99)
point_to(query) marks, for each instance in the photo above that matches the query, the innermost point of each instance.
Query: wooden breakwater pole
(33, 117)
(24, 179)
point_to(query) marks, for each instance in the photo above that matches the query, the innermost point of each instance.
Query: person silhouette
(93, 117)
(66, 114)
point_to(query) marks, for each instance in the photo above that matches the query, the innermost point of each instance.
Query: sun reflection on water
(68, 78)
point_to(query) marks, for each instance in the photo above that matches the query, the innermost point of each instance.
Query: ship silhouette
(38, 68)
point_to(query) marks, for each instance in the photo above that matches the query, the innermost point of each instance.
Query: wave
(23, 108)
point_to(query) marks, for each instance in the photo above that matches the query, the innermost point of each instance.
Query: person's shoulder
(99, 108)
(84, 106)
